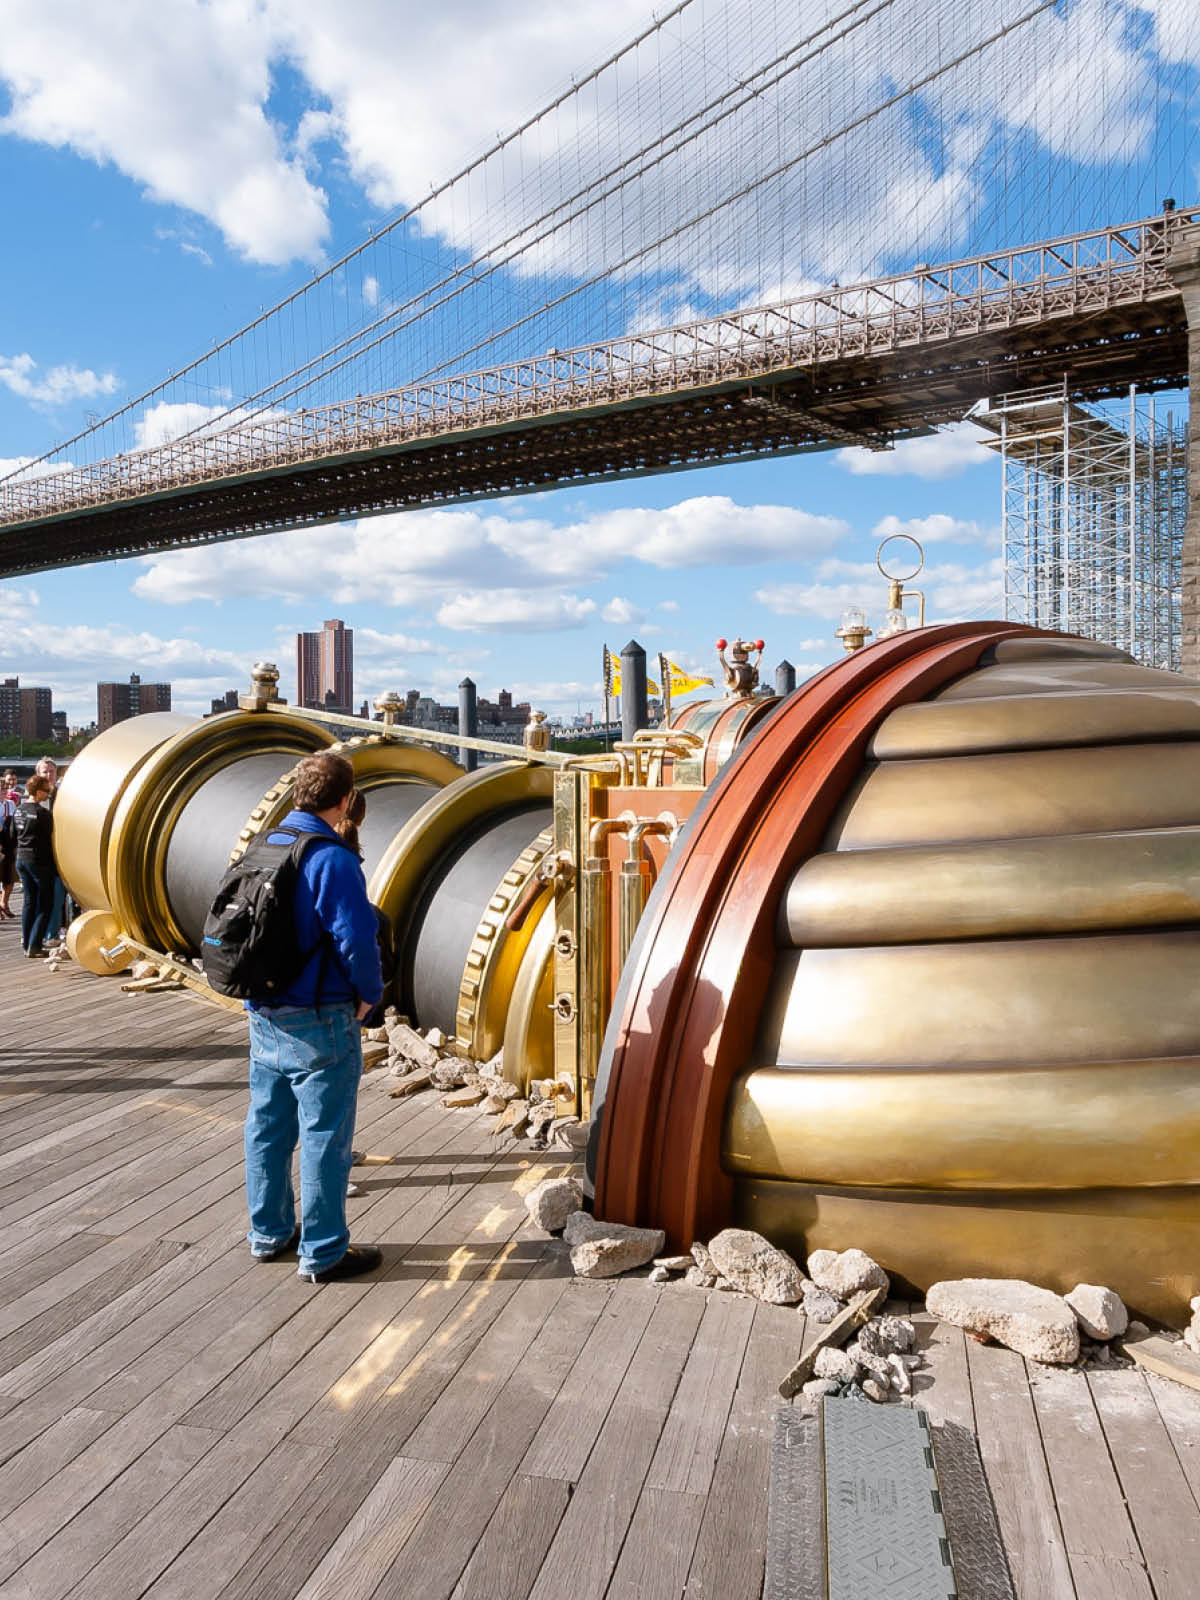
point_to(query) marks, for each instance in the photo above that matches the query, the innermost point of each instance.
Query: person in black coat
(35, 865)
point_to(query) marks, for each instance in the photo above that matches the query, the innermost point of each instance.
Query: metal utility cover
(884, 1530)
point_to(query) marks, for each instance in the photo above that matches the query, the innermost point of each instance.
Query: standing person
(35, 865)
(8, 787)
(8, 849)
(47, 768)
(306, 1047)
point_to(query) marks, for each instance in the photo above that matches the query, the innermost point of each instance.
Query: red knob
(758, 644)
(721, 643)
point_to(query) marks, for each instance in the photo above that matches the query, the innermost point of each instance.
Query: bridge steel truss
(1094, 509)
(867, 363)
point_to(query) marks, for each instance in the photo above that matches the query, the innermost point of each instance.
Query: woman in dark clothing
(35, 865)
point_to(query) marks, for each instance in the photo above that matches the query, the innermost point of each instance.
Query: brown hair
(37, 785)
(322, 781)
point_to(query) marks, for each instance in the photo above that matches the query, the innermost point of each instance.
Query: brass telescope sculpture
(908, 960)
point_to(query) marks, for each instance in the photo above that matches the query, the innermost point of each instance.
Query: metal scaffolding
(1094, 505)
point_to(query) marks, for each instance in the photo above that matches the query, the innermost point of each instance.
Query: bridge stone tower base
(1184, 268)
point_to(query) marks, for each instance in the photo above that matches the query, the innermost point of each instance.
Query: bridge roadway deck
(177, 1422)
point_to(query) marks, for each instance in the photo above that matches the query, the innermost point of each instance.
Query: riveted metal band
(495, 956)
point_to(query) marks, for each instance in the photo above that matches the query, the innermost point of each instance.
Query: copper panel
(1144, 1243)
(1126, 1124)
(1056, 677)
(1021, 794)
(1111, 997)
(1031, 722)
(1082, 882)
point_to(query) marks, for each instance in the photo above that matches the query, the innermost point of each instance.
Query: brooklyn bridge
(401, 377)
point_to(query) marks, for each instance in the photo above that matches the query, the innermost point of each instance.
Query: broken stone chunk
(702, 1259)
(436, 1038)
(407, 1042)
(674, 1263)
(876, 1390)
(901, 1381)
(461, 1098)
(553, 1201)
(1035, 1322)
(1102, 1314)
(448, 1075)
(882, 1335)
(699, 1279)
(834, 1363)
(659, 1275)
(815, 1390)
(753, 1264)
(409, 1082)
(819, 1305)
(846, 1273)
(604, 1249)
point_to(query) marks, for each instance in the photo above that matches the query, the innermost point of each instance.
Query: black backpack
(250, 950)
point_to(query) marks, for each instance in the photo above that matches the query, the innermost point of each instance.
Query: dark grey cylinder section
(785, 678)
(206, 831)
(434, 956)
(468, 722)
(635, 703)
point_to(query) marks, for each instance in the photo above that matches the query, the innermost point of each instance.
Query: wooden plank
(464, 1401)
(1166, 1357)
(658, 1550)
(1165, 1517)
(1179, 1409)
(60, 1565)
(585, 1549)
(942, 1385)
(515, 1541)
(730, 1556)
(1011, 1450)
(438, 1549)
(691, 1438)
(70, 1297)
(1106, 1560)
(375, 1534)
(28, 1469)
(564, 1441)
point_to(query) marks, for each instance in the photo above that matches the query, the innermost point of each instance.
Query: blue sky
(171, 168)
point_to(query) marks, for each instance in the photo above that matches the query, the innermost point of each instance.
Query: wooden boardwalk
(179, 1422)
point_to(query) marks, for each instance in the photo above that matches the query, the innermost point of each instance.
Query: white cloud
(48, 387)
(514, 610)
(668, 605)
(621, 610)
(420, 557)
(935, 529)
(953, 590)
(175, 97)
(944, 454)
(16, 605)
(171, 419)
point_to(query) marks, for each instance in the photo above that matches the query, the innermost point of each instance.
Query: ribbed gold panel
(1144, 1243)
(1111, 997)
(1055, 677)
(1078, 883)
(1021, 795)
(1032, 722)
(1009, 651)
(1126, 1124)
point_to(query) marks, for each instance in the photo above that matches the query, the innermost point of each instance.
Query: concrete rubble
(1035, 1322)
(553, 1201)
(606, 1249)
(751, 1263)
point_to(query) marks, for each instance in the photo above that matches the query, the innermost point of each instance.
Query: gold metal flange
(376, 760)
(92, 788)
(497, 954)
(94, 941)
(402, 871)
(156, 795)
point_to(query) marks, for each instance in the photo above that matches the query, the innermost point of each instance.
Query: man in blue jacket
(306, 1047)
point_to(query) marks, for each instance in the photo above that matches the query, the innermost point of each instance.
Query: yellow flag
(683, 682)
(612, 676)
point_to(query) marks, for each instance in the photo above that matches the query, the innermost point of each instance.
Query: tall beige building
(325, 667)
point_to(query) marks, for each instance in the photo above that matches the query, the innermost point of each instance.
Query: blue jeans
(37, 903)
(304, 1072)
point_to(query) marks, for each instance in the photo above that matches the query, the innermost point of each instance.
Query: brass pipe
(431, 736)
(595, 948)
(637, 875)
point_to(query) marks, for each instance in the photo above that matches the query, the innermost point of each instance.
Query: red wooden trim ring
(692, 1008)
